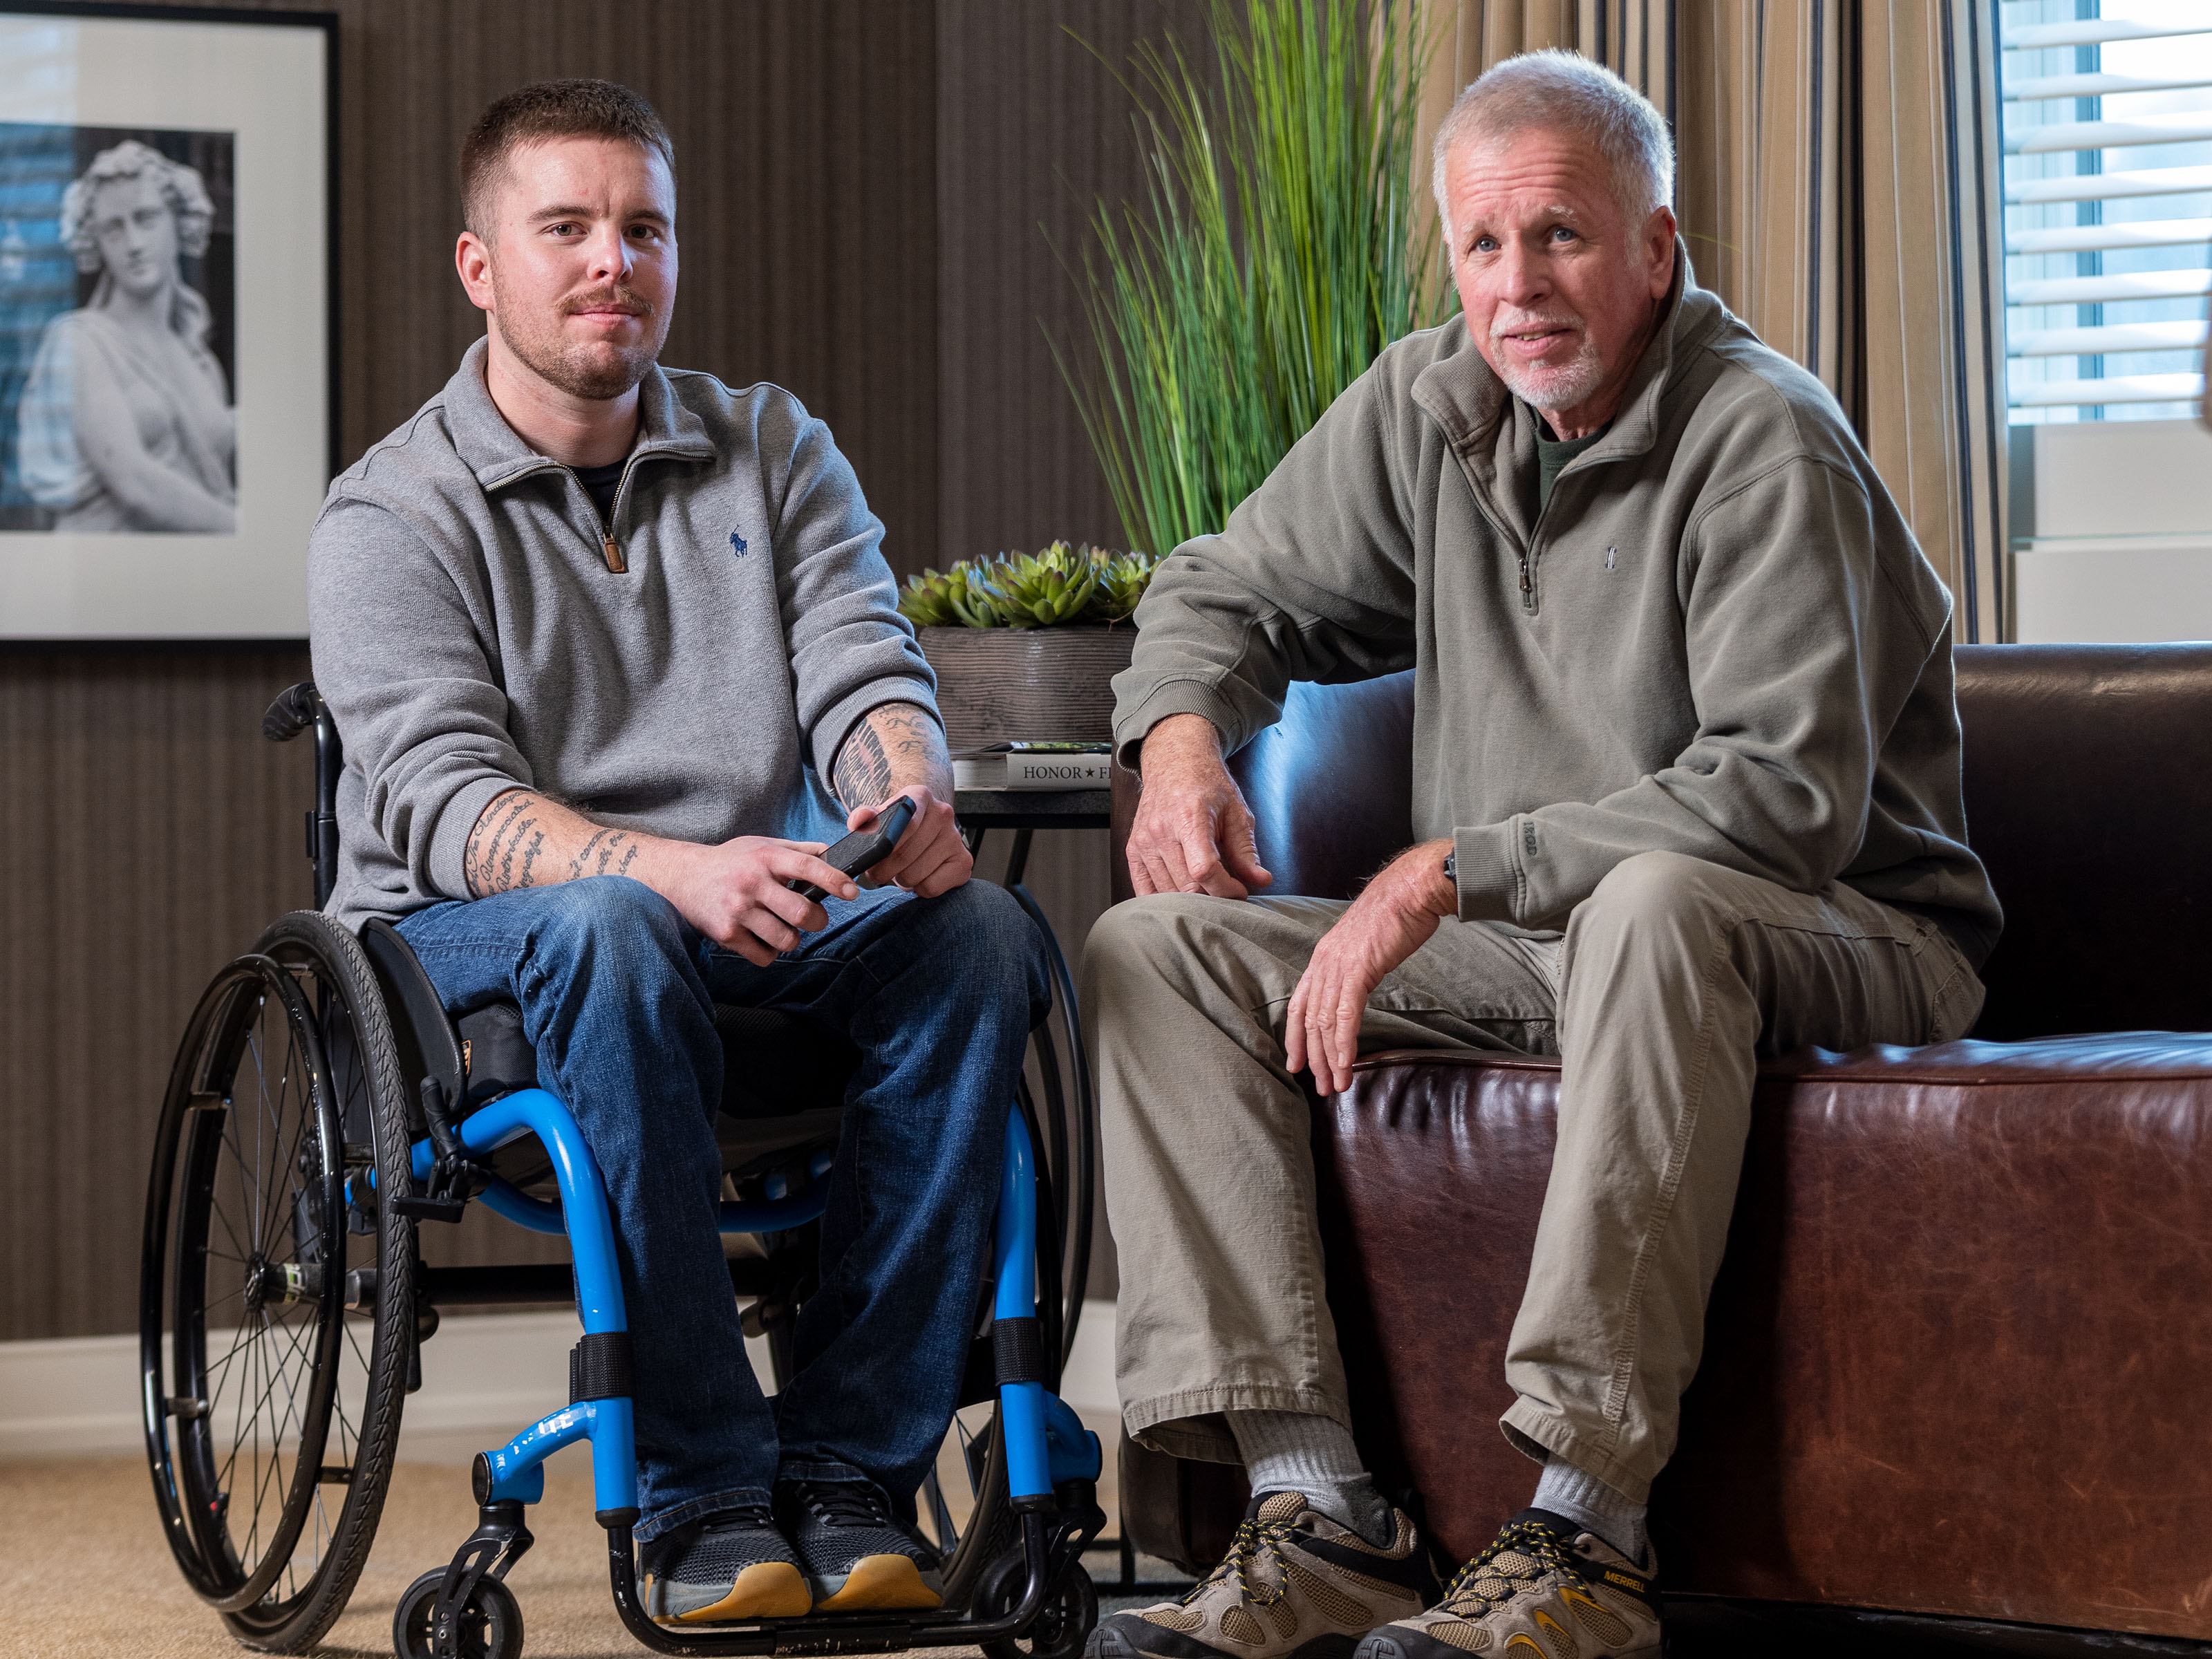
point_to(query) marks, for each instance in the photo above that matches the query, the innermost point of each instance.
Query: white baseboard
(485, 1376)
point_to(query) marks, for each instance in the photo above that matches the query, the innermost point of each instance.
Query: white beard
(1544, 385)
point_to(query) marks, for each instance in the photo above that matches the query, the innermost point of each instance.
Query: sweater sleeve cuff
(836, 722)
(449, 841)
(1488, 882)
(1176, 697)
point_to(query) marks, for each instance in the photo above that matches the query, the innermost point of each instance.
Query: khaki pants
(1672, 977)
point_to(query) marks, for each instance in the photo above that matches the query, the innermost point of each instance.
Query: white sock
(1591, 1504)
(1304, 1452)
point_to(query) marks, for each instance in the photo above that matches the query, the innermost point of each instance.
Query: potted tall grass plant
(1279, 247)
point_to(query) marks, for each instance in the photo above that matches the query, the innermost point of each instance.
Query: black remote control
(864, 849)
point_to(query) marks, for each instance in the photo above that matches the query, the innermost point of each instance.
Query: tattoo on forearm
(496, 829)
(893, 744)
(862, 774)
(517, 824)
(537, 844)
(522, 828)
(576, 865)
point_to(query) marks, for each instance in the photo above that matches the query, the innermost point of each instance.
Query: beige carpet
(84, 1572)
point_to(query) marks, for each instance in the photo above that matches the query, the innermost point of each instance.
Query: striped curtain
(1837, 187)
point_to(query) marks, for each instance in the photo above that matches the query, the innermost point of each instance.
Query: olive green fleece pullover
(1717, 638)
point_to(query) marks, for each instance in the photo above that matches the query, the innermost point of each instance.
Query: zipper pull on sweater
(613, 553)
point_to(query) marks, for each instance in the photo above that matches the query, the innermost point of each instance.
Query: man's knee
(1144, 938)
(987, 942)
(1659, 896)
(617, 931)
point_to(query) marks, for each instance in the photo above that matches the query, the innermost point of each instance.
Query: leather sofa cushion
(1958, 1354)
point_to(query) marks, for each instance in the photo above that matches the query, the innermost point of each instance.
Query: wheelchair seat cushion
(783, 1083)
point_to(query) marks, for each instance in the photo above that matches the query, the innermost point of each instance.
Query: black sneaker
(732, 1564)
(856, 1554)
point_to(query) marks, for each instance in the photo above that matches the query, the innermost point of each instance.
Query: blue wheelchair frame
(1052, 1461)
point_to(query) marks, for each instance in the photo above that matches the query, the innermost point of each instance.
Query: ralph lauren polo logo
(738, 543)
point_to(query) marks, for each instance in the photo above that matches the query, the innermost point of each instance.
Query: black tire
(261, 1223)
(1063, 1624)
(991, 1526)
(491, 1623)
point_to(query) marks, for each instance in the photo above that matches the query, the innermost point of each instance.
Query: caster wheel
(491, 1623)
(1063, 1624)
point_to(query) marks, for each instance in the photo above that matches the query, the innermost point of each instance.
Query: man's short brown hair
(550, 109)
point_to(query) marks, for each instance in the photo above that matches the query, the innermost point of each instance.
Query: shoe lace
(846, 1503)
(1520, 1555)
(1256, 1541)
(744, 1517)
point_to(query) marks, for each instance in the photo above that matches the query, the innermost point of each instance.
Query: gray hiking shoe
(1544, 1587)
(1294, 1585)
(728, 1567)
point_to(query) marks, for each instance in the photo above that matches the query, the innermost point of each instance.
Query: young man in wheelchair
(596, 634)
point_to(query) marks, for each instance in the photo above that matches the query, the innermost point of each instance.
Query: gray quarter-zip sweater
(470, 635)
(1718, 637)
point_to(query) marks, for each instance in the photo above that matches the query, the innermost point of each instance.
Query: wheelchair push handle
(293, 713)
(296, 709)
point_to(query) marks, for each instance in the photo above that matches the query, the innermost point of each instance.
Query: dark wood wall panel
(147, 834)
(1033, 126)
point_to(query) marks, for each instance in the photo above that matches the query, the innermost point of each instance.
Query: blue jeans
(617, 995)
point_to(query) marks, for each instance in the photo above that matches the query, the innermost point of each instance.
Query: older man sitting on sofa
(1686, 778)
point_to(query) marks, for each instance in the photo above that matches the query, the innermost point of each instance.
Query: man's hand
(1192, 833)
(1391, 919)
(930, 858)
(735, 894)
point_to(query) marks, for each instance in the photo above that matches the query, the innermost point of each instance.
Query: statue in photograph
(126, 420)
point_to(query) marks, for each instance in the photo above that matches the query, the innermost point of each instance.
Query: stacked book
(1033, 765)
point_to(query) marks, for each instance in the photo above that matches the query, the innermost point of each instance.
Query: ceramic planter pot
(996, 683)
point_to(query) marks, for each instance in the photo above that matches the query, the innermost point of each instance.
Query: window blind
(2107, 124)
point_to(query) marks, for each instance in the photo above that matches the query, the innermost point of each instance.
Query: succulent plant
(1036, 590)
(976, 600)
(1123, 579)
(928, 600)
(1062, 583)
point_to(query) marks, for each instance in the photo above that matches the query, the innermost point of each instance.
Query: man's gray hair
(1566, 92)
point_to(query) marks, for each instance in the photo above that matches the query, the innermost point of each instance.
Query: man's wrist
(1431, 878)
(1178, 737)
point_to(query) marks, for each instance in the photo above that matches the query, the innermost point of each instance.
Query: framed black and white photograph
(166, 384)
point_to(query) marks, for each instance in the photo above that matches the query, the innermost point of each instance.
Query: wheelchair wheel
(276, 1292)
(992, 1523)
(490, 1625)
(1070, 1612)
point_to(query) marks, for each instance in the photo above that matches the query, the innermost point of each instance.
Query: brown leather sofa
(1958, 1363)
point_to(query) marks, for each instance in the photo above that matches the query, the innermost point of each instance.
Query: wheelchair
(323, 1107)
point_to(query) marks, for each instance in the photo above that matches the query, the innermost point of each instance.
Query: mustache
(612, 299)
(1501, 326)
